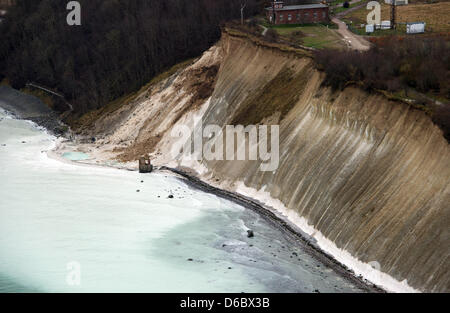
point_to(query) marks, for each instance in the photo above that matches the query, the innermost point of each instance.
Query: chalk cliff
(372, 176)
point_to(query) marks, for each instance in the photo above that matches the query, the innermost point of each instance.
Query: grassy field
(435, 15)
(317, 36)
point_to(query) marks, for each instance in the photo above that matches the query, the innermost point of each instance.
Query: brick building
(279, 13)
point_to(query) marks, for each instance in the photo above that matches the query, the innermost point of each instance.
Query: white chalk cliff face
(368, 177)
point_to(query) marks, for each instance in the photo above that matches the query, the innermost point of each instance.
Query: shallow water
(75, 156)
(53, 213)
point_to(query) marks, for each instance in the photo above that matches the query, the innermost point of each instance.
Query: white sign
(397, 2)
(415, 28)
(386, 25)
(369, 28)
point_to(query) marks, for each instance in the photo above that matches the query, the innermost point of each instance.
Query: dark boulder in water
(250, 234)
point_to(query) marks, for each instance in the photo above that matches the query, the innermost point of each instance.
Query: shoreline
(304, 241)
(26, 107)
(249, 199)
(367, 276)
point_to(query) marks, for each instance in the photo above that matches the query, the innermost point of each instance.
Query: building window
(315, 15)
(324, 15)
(298, 17)
(306, 15)
(281, 17)
(289, 17)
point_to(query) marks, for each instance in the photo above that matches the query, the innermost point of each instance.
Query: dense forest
(119, 47)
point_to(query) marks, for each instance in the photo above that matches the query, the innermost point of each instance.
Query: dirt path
(265, 29)
(353, 41)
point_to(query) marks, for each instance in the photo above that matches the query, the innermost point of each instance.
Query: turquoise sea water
(75, 156)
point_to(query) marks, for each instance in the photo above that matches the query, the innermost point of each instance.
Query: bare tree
(243, 5)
